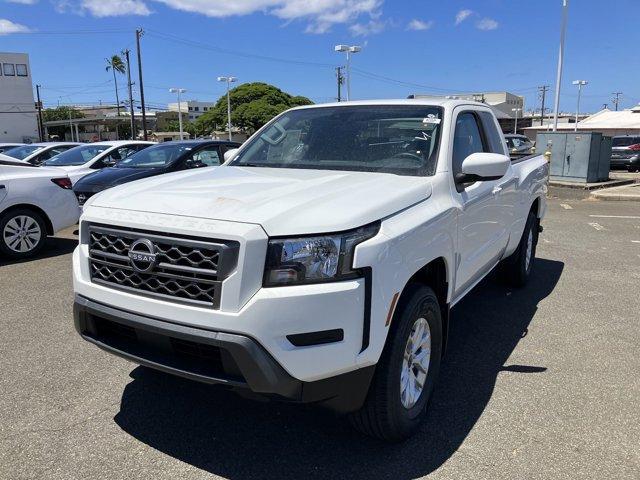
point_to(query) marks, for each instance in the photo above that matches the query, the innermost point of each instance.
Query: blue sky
(441, 46)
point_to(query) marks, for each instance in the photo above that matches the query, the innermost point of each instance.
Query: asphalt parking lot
(538, 383)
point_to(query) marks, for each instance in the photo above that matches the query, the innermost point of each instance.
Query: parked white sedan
(34, 202)
(36, 153)
(85, 159)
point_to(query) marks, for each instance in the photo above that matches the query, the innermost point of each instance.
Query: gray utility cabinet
(577, 156)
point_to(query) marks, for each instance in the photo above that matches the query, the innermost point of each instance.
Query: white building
(18, 117)
(192, 107)
(607, 122)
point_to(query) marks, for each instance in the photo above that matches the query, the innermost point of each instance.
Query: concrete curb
(624, 193)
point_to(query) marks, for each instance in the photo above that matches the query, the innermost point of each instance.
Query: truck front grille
(171, 267)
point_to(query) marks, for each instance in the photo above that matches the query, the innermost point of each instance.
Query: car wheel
(516, 269)
(397, 399)
(22, 233)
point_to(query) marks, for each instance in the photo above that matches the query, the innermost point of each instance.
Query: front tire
(407, 371)
(22, 233)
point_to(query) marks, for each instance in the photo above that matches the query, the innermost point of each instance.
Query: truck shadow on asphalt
(54, 247)
(224, 434)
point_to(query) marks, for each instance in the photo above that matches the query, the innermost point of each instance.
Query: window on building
(9, 69)
(196, 109)
(191, 109)
(205, 108)
(21, 69)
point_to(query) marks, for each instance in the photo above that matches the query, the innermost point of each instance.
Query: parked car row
(88, 169)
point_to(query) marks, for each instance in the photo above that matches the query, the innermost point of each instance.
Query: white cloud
(365, 29)
(8, 27)
(416, 24)
(462, 15)
(23, 2)
(487, 24)
(112, 8)
(321, 14)
(102, 8)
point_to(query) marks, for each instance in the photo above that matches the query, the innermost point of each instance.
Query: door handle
(496, 190)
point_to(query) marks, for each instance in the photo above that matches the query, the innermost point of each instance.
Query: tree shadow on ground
(232, 437)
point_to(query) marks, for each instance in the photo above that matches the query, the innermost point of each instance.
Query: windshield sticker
(431, 119)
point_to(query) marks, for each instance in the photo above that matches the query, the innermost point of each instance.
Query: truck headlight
(314, 259)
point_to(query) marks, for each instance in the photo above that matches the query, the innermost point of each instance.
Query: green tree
(60, 113)
(252, 105)
(115, 64)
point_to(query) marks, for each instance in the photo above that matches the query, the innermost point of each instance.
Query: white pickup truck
(320, 262)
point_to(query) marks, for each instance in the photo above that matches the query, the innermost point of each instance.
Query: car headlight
(314, 259)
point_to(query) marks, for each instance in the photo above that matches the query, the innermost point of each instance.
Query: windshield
(76, 156)
(399, 139)
(158, 156)
(624, 141)
(23, 151)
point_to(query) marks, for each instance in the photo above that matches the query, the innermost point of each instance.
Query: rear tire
(407, 371)
(516, 269)
(23, 232)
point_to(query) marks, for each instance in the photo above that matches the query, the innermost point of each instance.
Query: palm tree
(115, 64)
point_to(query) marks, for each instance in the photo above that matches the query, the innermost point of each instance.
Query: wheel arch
(436, 276)
(34, 208)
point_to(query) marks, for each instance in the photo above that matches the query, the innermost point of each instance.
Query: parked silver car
(625, 152)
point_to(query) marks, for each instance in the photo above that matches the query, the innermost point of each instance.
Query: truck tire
(396, 404)
(516, 269)
(22, 233)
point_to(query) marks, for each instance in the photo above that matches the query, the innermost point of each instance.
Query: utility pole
(563, 29)
(340, 78)
(616, 99)
(39, 107)
(139, 33)
(133, 123)
(543, 94)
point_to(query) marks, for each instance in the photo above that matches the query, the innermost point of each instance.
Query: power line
(237, 53)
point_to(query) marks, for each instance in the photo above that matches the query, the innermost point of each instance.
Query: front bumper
(233, 360)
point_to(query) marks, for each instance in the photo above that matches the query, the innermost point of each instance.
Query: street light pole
(579, 83)
(178, 91)
(563, 29)
(516, 110)
(349, 49)
(229, 81)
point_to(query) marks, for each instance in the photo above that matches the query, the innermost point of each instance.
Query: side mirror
(481, 166)
(229, 154)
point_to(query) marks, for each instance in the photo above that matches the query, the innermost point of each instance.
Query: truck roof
(437, 101)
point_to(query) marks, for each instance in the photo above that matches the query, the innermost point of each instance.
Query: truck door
(482, 217)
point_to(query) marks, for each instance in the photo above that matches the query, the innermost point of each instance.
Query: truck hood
(283, 201)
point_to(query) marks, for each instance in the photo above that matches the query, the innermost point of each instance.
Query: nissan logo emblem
(142, 255)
